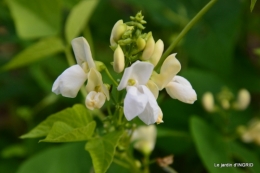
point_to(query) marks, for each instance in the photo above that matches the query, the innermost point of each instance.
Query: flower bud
(119, 60)
(144, 138)
(140, 42)
(149, 48)
(225, 104)
(117, 31)
(157, 53)
(208, 101)
(95, 100)
(243, 100)
(100, 65)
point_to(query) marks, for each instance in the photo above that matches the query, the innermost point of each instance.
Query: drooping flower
(144, 138)
(70, 81)
(139, 100)
(176, 86)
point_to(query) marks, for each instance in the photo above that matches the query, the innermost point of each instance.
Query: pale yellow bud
(243, 100)
(149, 48)
(160, 116)
(140, 42)
(95, 100)
(157, 53)
(208, 101)
(119, 60)
(117, 31)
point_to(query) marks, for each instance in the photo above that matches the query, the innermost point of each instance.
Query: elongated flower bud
(117, 31)
(208, 101)
(119, 60)
(149, 48)
(157, 53)
(243, 100)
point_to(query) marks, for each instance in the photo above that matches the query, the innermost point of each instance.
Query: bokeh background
(221, 51)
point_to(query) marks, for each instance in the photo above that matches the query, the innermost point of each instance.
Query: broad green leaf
(61, 132)
(245, 156)
(68, 158)
(75, 117)
(78, 18)
(102, 150)
(210, 146)
(34, 19)
(252, 5)
(39, 50)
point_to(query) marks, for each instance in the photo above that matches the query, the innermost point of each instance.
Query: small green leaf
(34, 19)
(245, 156)
(102, 150)
(210, 146)
(78, 18)
(39, 50)
(61, 132)
(75, 117)
(252, 5)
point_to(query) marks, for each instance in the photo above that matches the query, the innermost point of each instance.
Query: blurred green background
(221, 50)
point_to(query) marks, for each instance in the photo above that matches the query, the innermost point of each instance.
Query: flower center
(131, 82)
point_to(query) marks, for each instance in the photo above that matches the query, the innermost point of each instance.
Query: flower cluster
(136, 55)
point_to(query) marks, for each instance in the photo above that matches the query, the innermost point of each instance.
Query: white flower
(176, 86)
(144, 138)
(139, 100)
(95, 100)
(70, 81)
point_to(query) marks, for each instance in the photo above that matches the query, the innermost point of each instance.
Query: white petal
(134, 103)
(70, 81)
(152, 110)
(82, 51)
(139, 71)
(181, 89)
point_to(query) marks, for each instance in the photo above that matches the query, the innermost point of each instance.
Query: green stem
(146, 164)
(185, 30)
(111, 77)
(119, 162)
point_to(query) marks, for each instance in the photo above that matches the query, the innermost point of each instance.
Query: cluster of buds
(135, 55)
(251, 133)
(226, 100)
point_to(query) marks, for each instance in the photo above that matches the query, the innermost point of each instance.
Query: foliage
(219, 54)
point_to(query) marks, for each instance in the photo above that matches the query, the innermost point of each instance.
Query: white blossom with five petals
(139, 100)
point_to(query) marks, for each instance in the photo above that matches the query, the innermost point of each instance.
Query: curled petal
(157, 53)
(170, 67)
(139, 71)
(134, 103)
(95, 100)
(95, 83)
(117, 31)
(70, 81)
(181, 89)
(152, 110)
(82, 51)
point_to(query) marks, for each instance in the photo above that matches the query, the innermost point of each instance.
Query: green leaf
(102, 150)
(34, 19)
(245, 156)
(39, 50)
(61, 132)
(78, 18)
(257, 51)
(68, 158)
(252, 5)
(210, 146)
(75, 117)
